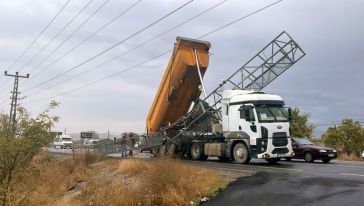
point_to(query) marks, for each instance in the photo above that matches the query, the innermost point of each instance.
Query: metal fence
(100, 148)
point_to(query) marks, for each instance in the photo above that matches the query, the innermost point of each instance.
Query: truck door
(239, 122)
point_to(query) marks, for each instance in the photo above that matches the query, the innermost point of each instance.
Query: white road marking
(352, 174)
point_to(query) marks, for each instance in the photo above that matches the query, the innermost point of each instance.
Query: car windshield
(66, 139)
(302, 141)
(271, 113)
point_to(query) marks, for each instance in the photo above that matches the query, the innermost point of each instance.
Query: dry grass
(89, 181)
(351, 157)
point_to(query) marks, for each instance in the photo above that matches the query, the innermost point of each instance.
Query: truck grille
(280, 150)
(280, 139)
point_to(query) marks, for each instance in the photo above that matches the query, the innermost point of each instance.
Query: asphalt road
(292, 183)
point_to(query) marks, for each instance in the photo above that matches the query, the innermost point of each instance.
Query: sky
(327, 83)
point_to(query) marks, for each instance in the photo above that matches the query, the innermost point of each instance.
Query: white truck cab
(259, 119)
(63, 141)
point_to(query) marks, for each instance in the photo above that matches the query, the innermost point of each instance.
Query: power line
(88, 38)
(39, 35)
(49, 42)
(113, 46)
(59, 32)
(55, 37)
(107, 77)
(239, 19)
(36, 38)
(138, 46)
(71, 35)
(151, 59)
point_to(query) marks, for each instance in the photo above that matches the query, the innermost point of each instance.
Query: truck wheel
(197, 152)
(326, 160)
(163, 150)
(171, 149)
(155, 151)
(273, 160)
(308, 157)
(241, 153)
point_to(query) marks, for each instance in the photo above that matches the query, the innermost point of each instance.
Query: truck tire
(273, 160)
(162, 150)
(308, 157)
(241, 153)
(197, 152)
(155, 151)
(171, 149)
(326, 160)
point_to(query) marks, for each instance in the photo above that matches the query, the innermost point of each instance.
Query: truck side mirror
(290, 114)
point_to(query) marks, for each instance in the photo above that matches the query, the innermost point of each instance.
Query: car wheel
(273, 160)
(288, 158)
(326, 160)
(308, 157)
(241, 153)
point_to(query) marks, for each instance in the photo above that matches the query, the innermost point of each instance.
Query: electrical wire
(112, 47)
(36, 39)
(39, 35)
(136, 47)
(55, 37)
(88, 38)
(151, 59)
(70, 35)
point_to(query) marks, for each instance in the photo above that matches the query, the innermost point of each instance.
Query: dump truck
(236, 121)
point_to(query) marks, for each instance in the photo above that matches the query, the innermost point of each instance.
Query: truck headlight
(322, 150)
(334, 150)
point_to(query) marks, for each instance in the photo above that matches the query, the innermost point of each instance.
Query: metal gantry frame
(270, 62)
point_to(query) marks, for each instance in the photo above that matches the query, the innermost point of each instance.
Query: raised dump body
(180, 84)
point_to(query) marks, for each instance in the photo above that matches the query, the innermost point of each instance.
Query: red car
(304, 149)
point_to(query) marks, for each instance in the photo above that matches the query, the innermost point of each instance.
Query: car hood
(315, 147)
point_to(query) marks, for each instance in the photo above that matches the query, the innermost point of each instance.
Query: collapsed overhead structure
(236, 120)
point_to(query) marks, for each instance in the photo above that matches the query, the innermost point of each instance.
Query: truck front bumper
(281, 149)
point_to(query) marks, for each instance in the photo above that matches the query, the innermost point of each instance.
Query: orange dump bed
(180, 84)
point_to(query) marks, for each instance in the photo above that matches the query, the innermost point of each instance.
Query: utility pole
(14, 97)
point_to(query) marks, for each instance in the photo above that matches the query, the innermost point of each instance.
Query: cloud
(326, 83)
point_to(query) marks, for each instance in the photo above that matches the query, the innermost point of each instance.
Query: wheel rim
(240, 153)
(308, 157)
(195, 150)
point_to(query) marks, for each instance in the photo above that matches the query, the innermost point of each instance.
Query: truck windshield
(66, 139)
(271, 113)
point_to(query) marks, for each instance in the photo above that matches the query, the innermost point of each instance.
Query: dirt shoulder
(90, 180)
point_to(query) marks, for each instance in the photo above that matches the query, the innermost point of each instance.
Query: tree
(299, 125)
(348, 137)
(17, 148)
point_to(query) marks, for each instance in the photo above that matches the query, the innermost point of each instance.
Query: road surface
(292, 183)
